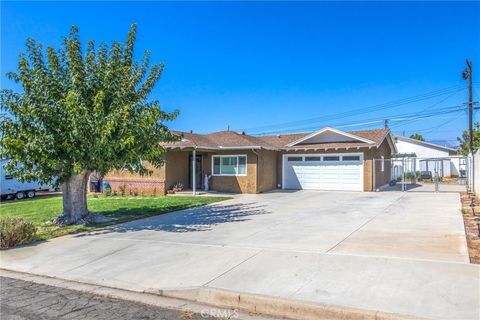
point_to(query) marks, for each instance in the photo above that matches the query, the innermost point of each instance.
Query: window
(229, 165)
(331, 158)
(351, 158)
(290, 159)
(382, 164)
(312, 158)
(8, 177)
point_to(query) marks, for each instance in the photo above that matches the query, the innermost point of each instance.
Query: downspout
(256, 175)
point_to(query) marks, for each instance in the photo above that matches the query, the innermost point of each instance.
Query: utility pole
(467, 75)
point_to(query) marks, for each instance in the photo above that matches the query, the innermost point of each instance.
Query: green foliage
(464, 141)
(409, 176)
(15, 231)
(82, 111)
(121, 189)
(417, 136)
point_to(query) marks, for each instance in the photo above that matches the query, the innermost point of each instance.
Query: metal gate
(415, 174)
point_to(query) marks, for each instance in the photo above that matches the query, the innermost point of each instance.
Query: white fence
(476, 173)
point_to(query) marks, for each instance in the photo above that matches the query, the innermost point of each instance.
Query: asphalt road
(22, 300)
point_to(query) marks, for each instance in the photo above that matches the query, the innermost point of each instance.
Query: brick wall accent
(138, 186)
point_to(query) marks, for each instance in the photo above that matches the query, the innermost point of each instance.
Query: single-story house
(327, 159)
(427, 157)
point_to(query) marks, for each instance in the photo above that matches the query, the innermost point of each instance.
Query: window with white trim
(382, 164)
(231, 165)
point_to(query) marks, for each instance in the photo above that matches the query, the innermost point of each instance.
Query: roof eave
(427, 144)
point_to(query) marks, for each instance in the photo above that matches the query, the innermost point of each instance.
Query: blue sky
(260, 66)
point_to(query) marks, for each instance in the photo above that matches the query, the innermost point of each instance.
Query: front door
(198, 172)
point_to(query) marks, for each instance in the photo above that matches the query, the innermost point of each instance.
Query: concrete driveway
(394, 252)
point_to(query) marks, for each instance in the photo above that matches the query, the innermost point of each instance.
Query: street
(23, 300)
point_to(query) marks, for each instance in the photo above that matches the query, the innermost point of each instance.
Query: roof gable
(329, 135)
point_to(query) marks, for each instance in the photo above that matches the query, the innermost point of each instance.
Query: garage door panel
(335, 175)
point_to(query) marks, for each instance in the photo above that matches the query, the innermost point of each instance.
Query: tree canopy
(464, 141)
(82, 110)
(417, 136)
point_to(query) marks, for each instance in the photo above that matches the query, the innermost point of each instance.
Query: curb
(277, 307)
(251, 306)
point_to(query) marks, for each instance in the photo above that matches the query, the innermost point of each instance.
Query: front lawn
(42, 210)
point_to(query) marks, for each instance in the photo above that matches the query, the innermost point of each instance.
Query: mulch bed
(471, 219)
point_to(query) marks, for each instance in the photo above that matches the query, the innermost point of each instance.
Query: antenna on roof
(228, 127)
(385, 123)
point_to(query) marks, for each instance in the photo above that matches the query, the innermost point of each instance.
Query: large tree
(82, 111)
(464, 140)
(417, 136)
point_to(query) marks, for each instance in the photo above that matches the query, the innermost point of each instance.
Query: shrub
(122, 190)
(14, 231)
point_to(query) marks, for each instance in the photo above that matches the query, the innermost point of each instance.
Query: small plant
(177, 187)
(15, 231)
(122, 190)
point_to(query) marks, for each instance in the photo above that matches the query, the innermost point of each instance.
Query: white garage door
(323, 172)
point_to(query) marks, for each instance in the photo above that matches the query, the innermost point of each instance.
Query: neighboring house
(327, 159)
(427, 157)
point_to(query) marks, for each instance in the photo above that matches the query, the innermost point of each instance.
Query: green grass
(42, 210)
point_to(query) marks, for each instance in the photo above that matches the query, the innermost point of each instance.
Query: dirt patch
(471, 219)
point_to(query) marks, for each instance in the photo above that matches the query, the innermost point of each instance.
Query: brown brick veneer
(138, 186)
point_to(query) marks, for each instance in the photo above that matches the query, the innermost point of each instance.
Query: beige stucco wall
(176, 164)
(237, 184)
(382, 178)
(267, 170)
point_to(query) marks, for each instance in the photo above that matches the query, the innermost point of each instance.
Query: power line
(431, 106)
(434, 128)
(394, 118)
(378, 107)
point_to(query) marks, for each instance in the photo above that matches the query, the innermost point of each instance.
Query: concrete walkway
(394, 252)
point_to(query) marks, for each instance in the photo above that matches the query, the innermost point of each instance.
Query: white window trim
(382, 164)
(230, 156)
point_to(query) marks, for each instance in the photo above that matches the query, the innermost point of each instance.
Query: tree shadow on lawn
(194, 219)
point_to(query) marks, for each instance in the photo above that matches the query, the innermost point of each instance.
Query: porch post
(194, 183)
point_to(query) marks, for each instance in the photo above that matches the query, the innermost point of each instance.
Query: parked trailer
(11, 187)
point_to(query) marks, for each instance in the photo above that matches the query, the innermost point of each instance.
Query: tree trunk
(74, 191)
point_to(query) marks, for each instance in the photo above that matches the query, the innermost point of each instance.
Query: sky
(278, 67)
